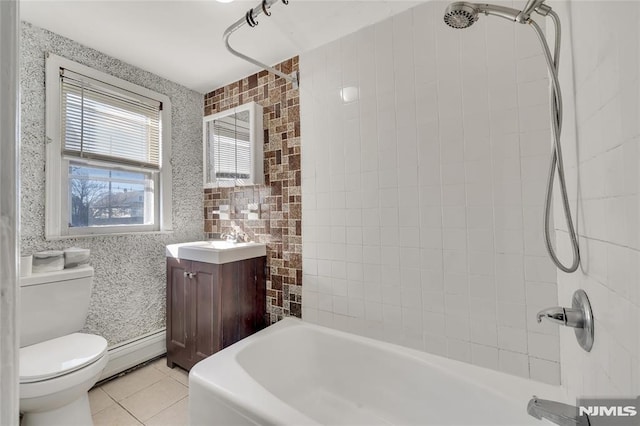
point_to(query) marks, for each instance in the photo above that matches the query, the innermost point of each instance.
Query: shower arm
(293, 78)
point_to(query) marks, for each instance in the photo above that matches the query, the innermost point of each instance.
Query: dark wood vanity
(211, 306)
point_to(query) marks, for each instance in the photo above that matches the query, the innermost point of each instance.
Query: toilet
(58, 365)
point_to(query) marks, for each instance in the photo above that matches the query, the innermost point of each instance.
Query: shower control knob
(579, 316)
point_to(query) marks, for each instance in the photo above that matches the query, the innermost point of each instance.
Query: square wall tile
(441, 228)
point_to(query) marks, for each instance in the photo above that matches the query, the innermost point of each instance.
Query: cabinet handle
(189, 274)
(185, 274)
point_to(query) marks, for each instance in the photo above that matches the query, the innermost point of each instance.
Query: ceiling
(181, 40)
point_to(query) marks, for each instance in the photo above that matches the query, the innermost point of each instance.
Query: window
(107, 154)
(105, 196)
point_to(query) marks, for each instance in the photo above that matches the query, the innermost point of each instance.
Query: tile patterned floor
(154, 395)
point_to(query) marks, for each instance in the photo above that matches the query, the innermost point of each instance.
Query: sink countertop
(216, 251)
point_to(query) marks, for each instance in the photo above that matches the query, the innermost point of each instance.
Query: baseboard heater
(135, 351)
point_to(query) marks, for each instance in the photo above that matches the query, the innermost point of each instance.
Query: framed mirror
(233, 151)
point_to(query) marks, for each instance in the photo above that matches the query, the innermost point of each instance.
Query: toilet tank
(54, 304)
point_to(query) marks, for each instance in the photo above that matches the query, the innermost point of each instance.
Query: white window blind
(231, 148)
(102, 122)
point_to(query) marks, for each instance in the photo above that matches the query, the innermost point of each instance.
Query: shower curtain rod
(250, 19)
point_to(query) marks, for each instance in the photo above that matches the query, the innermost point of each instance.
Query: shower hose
(556, 157)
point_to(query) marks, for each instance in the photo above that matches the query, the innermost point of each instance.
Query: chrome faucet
(234, 236)
(563, 316)
(579, 316)
(230, 237)
(556, 412)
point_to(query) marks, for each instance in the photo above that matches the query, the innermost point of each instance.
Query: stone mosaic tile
(279, 199)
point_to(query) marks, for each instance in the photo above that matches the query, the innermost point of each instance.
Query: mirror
(233, 147)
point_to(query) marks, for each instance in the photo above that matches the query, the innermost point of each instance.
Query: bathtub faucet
(579, 316)
(563, 316)
(556, 412)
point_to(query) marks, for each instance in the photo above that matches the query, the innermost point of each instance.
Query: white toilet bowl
(55, 376)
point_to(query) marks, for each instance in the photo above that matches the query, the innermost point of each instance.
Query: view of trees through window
(107, 197)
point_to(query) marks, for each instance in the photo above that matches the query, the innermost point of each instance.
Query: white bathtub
(296, 373)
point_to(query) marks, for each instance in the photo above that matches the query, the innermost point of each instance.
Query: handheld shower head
(462, 14)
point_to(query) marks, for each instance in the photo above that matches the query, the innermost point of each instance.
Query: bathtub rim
(230, 391)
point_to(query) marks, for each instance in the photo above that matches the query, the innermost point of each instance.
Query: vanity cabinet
(211, 306)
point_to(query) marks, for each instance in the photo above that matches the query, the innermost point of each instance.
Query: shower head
(460, 15)
(463, 14)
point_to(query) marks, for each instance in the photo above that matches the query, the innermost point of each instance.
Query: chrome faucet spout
(230, 237)
(235, 235)
(556, 412)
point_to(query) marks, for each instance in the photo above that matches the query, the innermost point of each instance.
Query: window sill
(111, 234)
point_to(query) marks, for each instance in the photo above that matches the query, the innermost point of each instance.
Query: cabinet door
(205, 310)
(177, 312)
(243, 299)
(260, 294)
(255, 297)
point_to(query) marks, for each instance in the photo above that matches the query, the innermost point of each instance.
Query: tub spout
(556, 412)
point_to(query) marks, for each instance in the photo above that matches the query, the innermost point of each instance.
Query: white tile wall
(422, 212)
(601, 56)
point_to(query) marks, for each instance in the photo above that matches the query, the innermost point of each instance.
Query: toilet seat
(46, 394)
(60, 356)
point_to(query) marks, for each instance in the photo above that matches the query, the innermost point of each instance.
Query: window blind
(103, 122)
(231, 148)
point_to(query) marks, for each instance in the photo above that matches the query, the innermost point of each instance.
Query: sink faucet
(230, 237)
(234, 236)
(556, 412)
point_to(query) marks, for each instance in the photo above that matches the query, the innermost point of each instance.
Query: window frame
(57, 166)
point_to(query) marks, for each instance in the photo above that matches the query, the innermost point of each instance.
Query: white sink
(217, 252)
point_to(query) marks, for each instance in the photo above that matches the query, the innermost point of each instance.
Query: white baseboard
(135, 351)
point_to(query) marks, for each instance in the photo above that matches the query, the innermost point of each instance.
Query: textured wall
(279, 224)
(129, 287)
(422, 213)
(601, 59)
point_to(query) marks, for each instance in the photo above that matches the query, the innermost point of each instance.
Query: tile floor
(153, 395)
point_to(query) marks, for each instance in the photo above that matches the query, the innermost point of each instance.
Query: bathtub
(296, 373)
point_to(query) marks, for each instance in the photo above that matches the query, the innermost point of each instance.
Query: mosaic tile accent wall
(129, 285)
(280, 201)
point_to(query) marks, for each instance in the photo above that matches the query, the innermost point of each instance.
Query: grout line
(139, 390)
(121, 406)
(108, 396)
(130, 413)
(137, 368)
(177, 381)
(166, 408)
(146, 365)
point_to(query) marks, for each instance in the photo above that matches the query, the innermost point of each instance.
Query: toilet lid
(62, 355)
